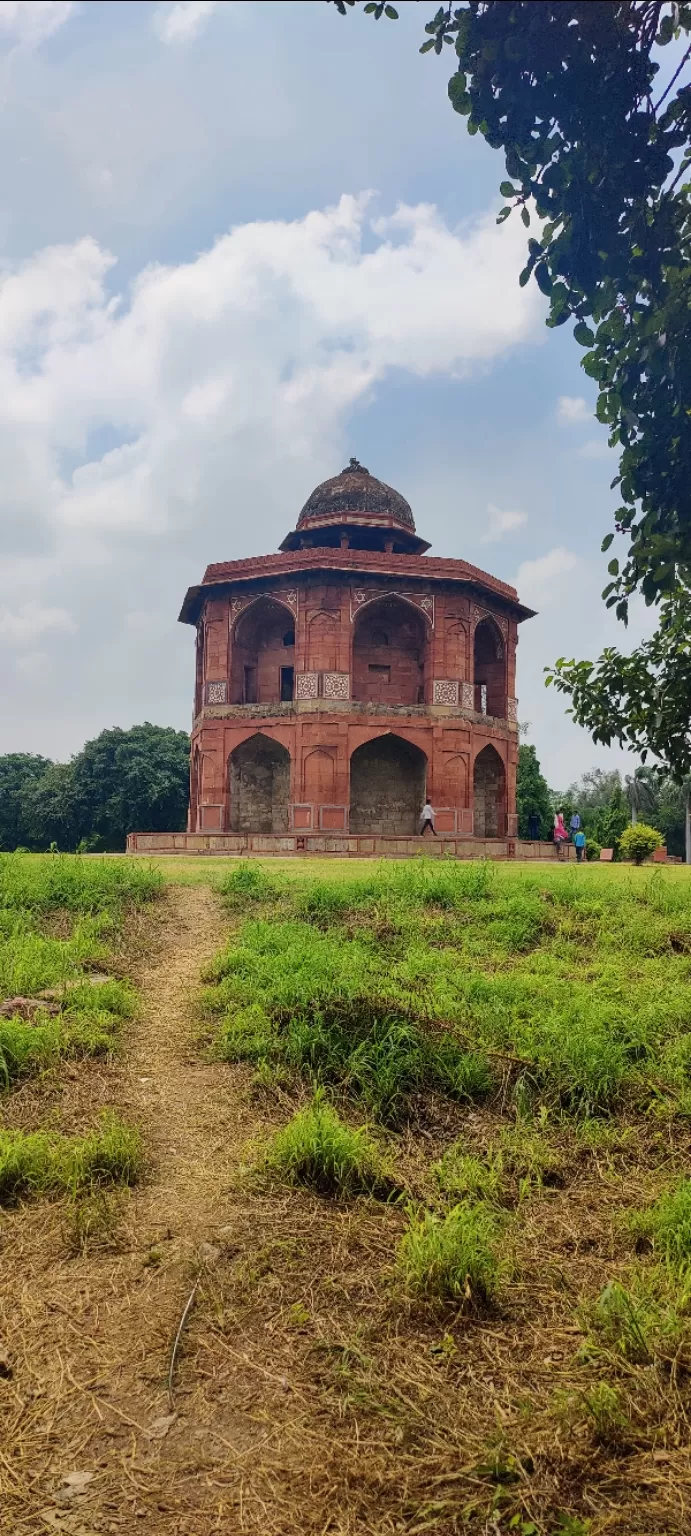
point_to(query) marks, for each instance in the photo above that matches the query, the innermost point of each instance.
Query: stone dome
(356, 494)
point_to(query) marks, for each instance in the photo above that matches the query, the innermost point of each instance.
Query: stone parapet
(263, 845)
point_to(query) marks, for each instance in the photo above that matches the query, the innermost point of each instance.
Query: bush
(317, 1149)
(638, 842)
(246, 884)
(592, 848)
(452, 1258)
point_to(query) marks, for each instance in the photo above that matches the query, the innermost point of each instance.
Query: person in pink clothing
(560, 833)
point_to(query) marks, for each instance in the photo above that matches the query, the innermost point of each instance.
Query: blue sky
(238, 243)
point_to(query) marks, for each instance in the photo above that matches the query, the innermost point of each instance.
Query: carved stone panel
(306, 685)
(512, 710)
(217, 693)
(336, 685)
(467, 696)
(444, 691)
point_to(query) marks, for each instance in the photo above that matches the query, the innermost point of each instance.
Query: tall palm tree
(640, 791)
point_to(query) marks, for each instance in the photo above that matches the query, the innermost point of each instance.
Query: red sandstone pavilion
(343, 680)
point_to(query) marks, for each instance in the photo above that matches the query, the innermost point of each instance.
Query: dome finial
(355, 464)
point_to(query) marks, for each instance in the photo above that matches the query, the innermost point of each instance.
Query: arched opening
(489, 794)
(263, 658)
(259, 784)
(489, 671)
(389, 654)
(194, 789)
(387, 787)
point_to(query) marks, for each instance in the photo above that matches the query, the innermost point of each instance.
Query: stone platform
(339, 845)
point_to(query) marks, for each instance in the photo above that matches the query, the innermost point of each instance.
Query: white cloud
(572, 409)
(29, 22)
(181, 22)
(500, 523)
(595, 448)
(223, 387)
(539, 581)
(27, 624)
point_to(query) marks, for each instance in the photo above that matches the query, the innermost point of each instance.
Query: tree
(532, 794)
(641, 793)
(17, 770)
(643, 700)
(598, 156)
(51, 810)
(133, 779)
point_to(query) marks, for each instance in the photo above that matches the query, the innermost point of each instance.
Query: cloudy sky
(240, 242)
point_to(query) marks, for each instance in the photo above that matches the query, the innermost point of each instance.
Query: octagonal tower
(345, 678)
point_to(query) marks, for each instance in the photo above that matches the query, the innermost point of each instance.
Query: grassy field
(59, 920)
(415, 1140)
(499, 1058)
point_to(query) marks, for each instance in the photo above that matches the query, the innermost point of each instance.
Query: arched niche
(489, 794)
(489, 673)
(387, 787)
(389, 646)
(259, 785)
(263, 654)
(322, 642)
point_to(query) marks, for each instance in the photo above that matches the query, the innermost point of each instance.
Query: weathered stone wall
(389, 655)
(489, 794)
(387, 788)
(259, 787)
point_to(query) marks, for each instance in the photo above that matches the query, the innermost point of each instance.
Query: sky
(240, 242)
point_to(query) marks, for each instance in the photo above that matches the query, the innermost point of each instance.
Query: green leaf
(525, 216)
(613, 567)
(503, 215)
(391, 12)
(543, 279)
(507, 189)
(458, 95)
(606, 541)
(583, 335)
(426, 48)
(524, 277)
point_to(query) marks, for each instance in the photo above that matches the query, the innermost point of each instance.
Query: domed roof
(356, 494)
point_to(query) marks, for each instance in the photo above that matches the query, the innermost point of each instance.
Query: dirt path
(92, 1330)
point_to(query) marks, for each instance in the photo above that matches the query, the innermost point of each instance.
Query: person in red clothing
(560, 834)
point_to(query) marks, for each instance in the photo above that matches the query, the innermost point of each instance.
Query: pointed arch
(489, 794)
(489, 669)
(259, 785)
(387, 787)
(389, 651)
(262, 663)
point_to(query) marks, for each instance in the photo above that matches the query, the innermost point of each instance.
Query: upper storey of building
(356, 525)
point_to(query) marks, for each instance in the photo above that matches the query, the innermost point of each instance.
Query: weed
(454, 1257)
(667, 1226)
(318, 1150)
(95, 1217)
(461, 1176)
(602, 1407)
(248, 884)
(44, 1163)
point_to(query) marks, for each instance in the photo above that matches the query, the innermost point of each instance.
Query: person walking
(560, 834)
(579, 844)
(427, 820)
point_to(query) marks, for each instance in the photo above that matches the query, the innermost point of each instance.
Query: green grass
(45, 1163)
(667, 1226)
(439, 976)
(58, 916)
(454, 1257)
(316, 1149)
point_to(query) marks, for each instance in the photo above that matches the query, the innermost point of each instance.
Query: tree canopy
(597, 155)
(121, 781)
(533, 797)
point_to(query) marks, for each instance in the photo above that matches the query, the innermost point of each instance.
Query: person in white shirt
(427, 820)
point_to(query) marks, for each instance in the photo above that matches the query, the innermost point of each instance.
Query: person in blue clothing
(579, 844)
(574, 825)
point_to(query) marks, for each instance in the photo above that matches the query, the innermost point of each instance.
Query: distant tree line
(120, 782)
(605, 802)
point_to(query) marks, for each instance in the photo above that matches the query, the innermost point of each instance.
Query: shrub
(638, 842)
(454, 1257)
(592, 848)
(318, 1150)
(461, 1176)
